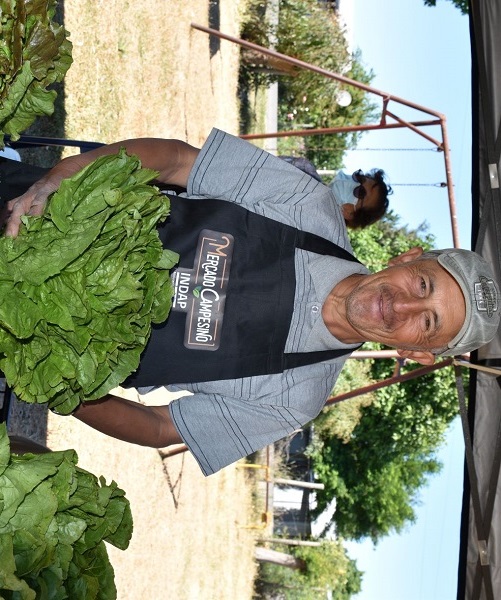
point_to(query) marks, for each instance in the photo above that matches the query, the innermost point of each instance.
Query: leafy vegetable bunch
(34, 53)
(81, 285)
(54, 520)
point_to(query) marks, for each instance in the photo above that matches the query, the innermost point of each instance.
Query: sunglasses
(359, 192)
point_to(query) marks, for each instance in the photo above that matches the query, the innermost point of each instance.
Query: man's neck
(334, 311)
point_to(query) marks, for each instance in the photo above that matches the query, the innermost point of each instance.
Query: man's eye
(423, 285)
(427, 323)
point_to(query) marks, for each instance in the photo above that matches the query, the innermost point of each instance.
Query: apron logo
(201, 292)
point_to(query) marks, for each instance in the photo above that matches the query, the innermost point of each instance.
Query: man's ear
(410, 255)
(421, 356)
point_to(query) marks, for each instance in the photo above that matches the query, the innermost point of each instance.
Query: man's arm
(173, 159)
(225, 420)
(130, 421)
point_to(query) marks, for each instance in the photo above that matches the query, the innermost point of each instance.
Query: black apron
(16, 177)
(251, 309)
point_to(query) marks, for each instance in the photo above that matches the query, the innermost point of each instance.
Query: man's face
(413, 305)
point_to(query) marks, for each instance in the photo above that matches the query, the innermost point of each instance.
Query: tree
(310, 31)
(376, 475)
(374, 246)
(326, 567)
(375, 470)
(463, 5)
(327, 151)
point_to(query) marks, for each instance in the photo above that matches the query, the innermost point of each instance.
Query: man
(296, 302)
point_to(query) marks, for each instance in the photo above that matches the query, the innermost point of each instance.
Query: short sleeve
(220, 428)
(233, 169)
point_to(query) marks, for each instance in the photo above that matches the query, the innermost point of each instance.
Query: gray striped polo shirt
(226, 420)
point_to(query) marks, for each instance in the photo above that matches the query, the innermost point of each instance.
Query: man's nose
(406, 305)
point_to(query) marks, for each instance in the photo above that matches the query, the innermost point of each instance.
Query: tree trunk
(279, 558)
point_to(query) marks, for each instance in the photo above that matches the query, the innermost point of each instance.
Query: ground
(141, 70)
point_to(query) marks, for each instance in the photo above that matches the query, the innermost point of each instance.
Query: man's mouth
(386, 310)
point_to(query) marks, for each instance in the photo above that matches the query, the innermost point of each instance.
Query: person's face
(414, 305)
(367, 193)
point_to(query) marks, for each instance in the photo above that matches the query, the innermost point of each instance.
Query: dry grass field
(141, 70)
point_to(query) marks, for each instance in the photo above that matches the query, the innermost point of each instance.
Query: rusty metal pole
(389, 381)
(343, 129)
(177, 449)
(346, 80)
(310, 67)
(450, 185)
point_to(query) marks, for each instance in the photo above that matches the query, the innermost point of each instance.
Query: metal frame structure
(482, 575)
(438, 119)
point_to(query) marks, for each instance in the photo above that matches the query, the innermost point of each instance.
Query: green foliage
(375, 466)
(34, 54)
(376, 475)
(463, 5)
(317, 106)
(309, 31)
(81, 285)
(339, 420)
(374, 246)
(328, 567)
(54, 522)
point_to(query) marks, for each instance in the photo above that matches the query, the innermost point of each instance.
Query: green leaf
(55, 520)
(16, 482)
(8, 579)
(34, 53)
(81, 285)
(33, 552)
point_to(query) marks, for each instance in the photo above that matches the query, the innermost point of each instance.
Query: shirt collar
(326, 272)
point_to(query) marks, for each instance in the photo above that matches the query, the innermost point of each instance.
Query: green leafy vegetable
(34, 53)
(55, 520)
(81, 285)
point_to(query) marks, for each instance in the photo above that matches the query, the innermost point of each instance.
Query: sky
(421, 54)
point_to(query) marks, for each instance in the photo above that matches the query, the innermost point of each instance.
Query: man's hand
(172, 159)
(32, 202)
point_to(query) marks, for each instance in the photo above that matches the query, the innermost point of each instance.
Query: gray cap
(481, 292)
